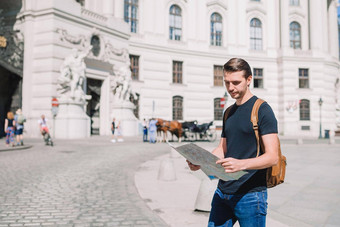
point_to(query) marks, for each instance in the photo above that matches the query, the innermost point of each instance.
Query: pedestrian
(119, 132)
(9, 129)
(243, 200)
(152, 130)
(44, 130)
(19, 119)
(145, 131)
(113, 127)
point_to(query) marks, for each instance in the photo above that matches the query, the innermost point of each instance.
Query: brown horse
(174, 127)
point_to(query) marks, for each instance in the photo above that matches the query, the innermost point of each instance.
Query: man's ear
(249, 80)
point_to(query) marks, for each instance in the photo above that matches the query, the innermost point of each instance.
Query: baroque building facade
(176, 50)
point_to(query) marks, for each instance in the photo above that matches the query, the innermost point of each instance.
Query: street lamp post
(320, 104)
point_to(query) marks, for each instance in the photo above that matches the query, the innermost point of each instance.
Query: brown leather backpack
(275, 174)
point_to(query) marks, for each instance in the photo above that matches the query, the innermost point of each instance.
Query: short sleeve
(267, 120)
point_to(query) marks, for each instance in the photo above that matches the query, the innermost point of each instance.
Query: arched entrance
(10, 94)
(11, 60)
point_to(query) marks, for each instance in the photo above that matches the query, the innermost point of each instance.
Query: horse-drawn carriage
(189, 131)
(192, 131)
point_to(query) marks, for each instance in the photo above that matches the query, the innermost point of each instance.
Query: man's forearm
(261, 162)
(220, 150)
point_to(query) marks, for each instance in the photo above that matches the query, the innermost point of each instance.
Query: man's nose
(230, 87)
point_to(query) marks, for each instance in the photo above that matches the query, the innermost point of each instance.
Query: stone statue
(72, 75)
(121, 84)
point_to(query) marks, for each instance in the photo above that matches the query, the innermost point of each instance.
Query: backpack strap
(254, 120)
(226, 113)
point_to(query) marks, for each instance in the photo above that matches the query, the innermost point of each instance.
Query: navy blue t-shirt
(241, 144)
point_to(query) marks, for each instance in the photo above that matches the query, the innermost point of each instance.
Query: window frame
(177, 72)
(304, 108)
(134, 66)
(216, 37)
(258, 77)
(177, 107)
(175, 22)
(131, 14)
(295, 39)
(294, 2)
(218, 110)
(256, 34)
(218, 78)
(303, 78)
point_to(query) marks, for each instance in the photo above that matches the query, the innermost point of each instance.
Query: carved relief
(111, 52)
(103, 52)
(64, 36)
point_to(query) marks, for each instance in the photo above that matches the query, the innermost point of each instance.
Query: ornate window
(303, 78)
(135, 101)
(218, 75)
(294, 2)
(177, 108)
(218, 110)
(134, 66)
(175, 23)
(304, 110)
(255, 34)
(216, 29)
(95, 42)
(295, 35)
(258, 78)
(130, 14)
(177, 72)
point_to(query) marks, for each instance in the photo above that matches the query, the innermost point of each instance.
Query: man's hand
(193, 167)
(232, 165)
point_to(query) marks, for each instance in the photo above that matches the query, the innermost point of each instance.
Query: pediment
(217, 3)
(251, 8)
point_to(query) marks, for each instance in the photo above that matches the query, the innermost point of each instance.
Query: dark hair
(236, 65)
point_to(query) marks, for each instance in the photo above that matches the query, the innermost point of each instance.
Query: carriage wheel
(191, 136)
(211, 135)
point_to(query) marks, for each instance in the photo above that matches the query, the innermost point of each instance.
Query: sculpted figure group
(72, 75)
(121, 84)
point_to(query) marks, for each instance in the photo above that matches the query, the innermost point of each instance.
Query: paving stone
(91, 186)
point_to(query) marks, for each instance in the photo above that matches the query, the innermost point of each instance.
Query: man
(145, 131)
(19, 119)
(113, 127)
(152, 130)
(243, 200)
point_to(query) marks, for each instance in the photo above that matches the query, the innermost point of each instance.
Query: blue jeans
(249, 209)
(145, 135)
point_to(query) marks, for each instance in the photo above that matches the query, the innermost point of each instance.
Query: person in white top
(43, 125)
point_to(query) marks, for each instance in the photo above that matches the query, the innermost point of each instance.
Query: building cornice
(118, 32)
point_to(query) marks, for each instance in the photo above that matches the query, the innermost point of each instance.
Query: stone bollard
(166, 170)
(299, 141)
(205, 194)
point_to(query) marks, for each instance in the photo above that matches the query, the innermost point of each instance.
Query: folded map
(199, 156)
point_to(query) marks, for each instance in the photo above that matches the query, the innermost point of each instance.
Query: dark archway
(11, 60)
(10, 95)
(93, 88)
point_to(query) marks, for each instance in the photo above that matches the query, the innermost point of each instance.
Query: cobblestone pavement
(76, 183)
